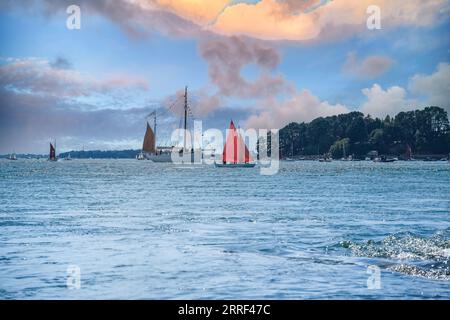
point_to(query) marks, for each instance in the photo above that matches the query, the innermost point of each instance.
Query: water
(139, 230)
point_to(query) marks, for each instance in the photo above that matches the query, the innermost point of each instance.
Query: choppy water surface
(143, 230)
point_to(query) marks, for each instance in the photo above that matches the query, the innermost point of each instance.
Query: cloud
(39, 76)
(435, 87)
(205, 103)
(277, 100)
(227, 57)
(137, 18)
(41, 100)
(370, 67)
(198, 11)
(270, 19)
(386, 102)
(303, 106)
(61, 63)
(279, 20)
(28, 122)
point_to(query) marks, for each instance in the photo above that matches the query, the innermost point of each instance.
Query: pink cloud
(40, 76)
(370, 67)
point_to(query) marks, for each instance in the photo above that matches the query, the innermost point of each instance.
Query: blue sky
(103, 50)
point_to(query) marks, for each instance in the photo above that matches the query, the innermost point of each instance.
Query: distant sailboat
(408, 153)
(149, 149)
(12, 156)
(140, 156)
(52, 155)
(68, 158)
(235, 152)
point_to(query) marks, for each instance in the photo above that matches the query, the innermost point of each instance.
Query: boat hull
(189, 158)
(235, 165)
(164, 157)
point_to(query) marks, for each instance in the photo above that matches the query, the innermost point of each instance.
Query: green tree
(340, 147)
(320, 136)
(406, 124)
(357, 131)
(432, 134)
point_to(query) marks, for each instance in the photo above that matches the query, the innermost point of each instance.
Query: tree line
(424, 131)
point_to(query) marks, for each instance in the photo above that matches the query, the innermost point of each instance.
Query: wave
(409, 254)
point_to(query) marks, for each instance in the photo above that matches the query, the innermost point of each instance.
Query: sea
(128, 229)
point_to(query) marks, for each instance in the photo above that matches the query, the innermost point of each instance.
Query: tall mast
(185, 116)
(154, 129)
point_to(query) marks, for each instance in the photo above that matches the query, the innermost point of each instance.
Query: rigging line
(191, 113)
(166, 109)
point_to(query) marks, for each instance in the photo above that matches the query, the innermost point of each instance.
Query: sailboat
(52, 155)
(12, 156)
(235, 152)
(140, 156)
(149, 149)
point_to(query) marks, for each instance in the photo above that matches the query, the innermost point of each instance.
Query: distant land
(98, 154)
(94, 154)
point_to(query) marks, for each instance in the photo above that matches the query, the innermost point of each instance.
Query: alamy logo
(73, 277)
(374, 19)
(374, 279)
(73, 21)
(211, 143)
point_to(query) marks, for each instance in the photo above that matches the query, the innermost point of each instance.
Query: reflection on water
(141, 230)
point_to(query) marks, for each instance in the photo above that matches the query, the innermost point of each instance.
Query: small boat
(12, 156)
(235, 152)
(384, 159)
(149, 149)
(52, 155)
(68, 158)
(235, 165)
(140, 156)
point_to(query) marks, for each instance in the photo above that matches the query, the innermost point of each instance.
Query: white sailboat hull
(164, 157)
(167, 157)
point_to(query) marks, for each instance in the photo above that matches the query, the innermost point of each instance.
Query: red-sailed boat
(235, 152)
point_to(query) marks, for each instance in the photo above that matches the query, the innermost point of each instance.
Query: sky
(262, 63)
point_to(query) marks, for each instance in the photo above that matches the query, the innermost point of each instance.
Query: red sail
(52, 152)
(235, 151)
